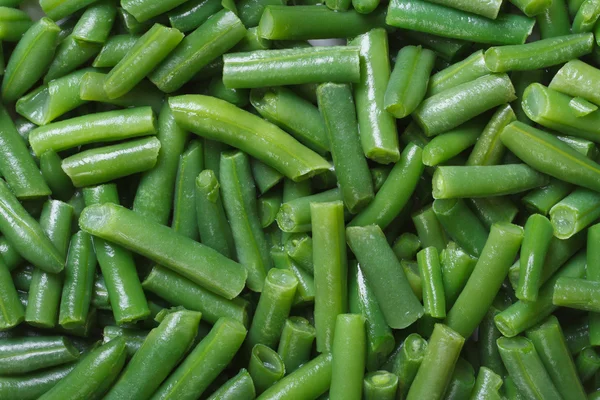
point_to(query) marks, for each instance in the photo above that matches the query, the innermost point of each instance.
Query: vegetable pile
(196, 202)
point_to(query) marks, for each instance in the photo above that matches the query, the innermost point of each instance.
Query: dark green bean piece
(114, 50)
(457, 267)
(217, 349)
(378, 134)
(593, 274)
(134, 338)
(305, 293)
(192, 14)
(408, 82)
(132, 25)
(577, 335)
(348, 353)
(146, 54)
(521, 80)
(542, 200)
(435, 372)
(424, 16)
(191, 163)
(239, 200)
(154, 196)
(411, 269)
(361, 300)
(70, 54)
(547, 154)
(429, 229)
(450, 144)
(540, 54)
(29, 60)
(17, 165)
(303, 22)
(461, 224)
(101, 127)
(216, 119)
(45, 290)
(145, 10)
(338, 111)
(22, 277)
(264, 176)
(265, 367)
(182, 292)
(469, 69)
(395, 192)
(308, 382)
(237, 97)
(183, 255)
(213, 38)
(380, 385)
(489, 356)
(574, 213)
(485, 181)
(58, 9)
(34, 385)
(488, 9)
(292, 113)
(551, 346)
(452, 107)
(105, 164)
(511, 390)
(79, 280)
(93, 375)
(531, 8)
(100, 298)
(487, 385)
(407, 361)
(296, 342)
(462, 382)
(488, 149)
(381, 267)
(118, 268)
(536, 242)
(554, 20)
(268, 207)
(96, 22)
(487, 277)
(26, 354)
(159, 354)
(406, 246)
(331, 269)
(588, 363)
(524, 315)
(13, 24)
(240, 387)
(299, 247)
(525, 367)
(430, 271)
(12, 312)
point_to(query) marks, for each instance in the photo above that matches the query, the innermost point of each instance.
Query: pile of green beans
(198, 201)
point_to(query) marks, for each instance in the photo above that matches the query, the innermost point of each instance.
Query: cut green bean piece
(575, 212)
(96, 22)
(114, 50)
(191, 163)
(486, 8)
(265, 367)
(536, 242)
(70, 55)
(385, 275)
(467, 70)
(380, 385)
(543, 199)
(429, 229)
(58, 9)
(296, 342)
(13, 24)
(576, 293)
(26, 354)
(487, 277)
(406, 246)
(183, 255)
(134, 338)
(216, 119)
(554, 21)
(240, 387)
(12, 312)
(405, 362)
(268, 207)
(452, 107)
(424, 16)
(192, 14)
(488, 149)
(525, 367)
(32, 386)
(305, 293)
(408, 82)
(264, 176)
(461, 224)
(300, 249)
(448, 145)
(462, 383)
(434, 300)
(593, 274)
(588, 364)
(487, 385)
(582, 107)
(348, 353)
(489, 356)
(577, 79)
(586, 17)
(294, 216)
(457, 267)
(60, 184)
(143, 10)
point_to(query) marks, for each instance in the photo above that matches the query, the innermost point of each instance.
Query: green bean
(430, 270)
(13, 24)
(330, 262)
(102, 127)
(380, 341)
(588, 363)
(296, 342)
(294, 216)
(488, 9)
(586, 17)
(147, 52)
(550, 156)
(582, 107)
(218, 120)
(574, 213)
(50, 101)
(12, 312)
(435, 372)
(450, 144)
(21, 277)
(268, 207)
(240, 387)
(299, 247)
(487, 277)
(540, 54)
(436, 19)
(461, 224)
(411, 270)
(380, 385)
(308, 382)
(305, 293)
(348, 353)
(264, 176)
(217, 349)
(554, 20)
(29, 60)
(17, 166)
(93, 375)
(292, 113)
(32, 386)
(408, 82)
(100, 298)
(576, 293)
(128, 301)
(551, 346)
(536, 242)
(26, 354)
(577, 335)
(145, 10)
(114, 50)
(45, 290)
(395, 192)
(134, 338)
(237, 97)
(191, 14)
(378, 134)
(525, 367)
(469, 69)
(303, 22)
(104, 164)
(197, 49)
(462, 382)
(265, 367)
(338, 111)
(457, 267)
(239, 200)
(577, 79)
(429, 229)
(406, 246)
(487, 385)
(521, 80)
(452, 107)
(130, 24)
(70, 54)
(542, 200)
(489, 356)
(96, 23)
(488, 149)
(524, 315)
(154, 196)
(159, 354)
(406, 362)
(191, 163)
(58, 9)
(593, 275)
(381, 267)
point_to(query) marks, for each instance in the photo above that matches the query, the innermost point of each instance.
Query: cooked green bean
(133, 337)
(12, 312)
(191, 14)
(348, 354)
(542, 200)
(489, 356)
(265, 367)
(586, 17)
(429, 229)
(457, 267)
(577, 79)
(32, 386)
(26, 354)
(536, 242)
(380, 385)
(114, 50)
(143, 10)
(13, 24)
(191, 163)
(58, 9)
(461, 224)
(554, 20)
(467, 70)
(450, 144)
(406, 361)
(264, 176)
(294, 216)
(434, 300)
(406, 246)
(70, 55)
(240, 387)
(588, 363)
(463, 381)
(576, 293)
(487, 385)
(574, 213)
(296, 342)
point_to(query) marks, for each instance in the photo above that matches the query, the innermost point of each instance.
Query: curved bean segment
(32, 386)
(536, 242)
(240, 387)
(586, 17)
(22, 355)
(467, 70)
